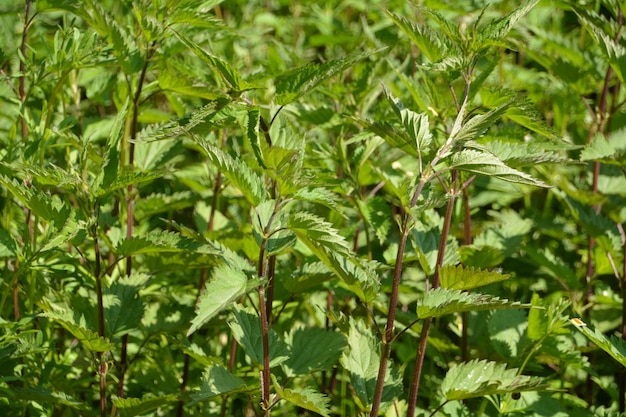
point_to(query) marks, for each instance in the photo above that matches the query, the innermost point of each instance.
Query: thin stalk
(24, 126)
(393, 303)
(622, 385)
(102, 361)
(419, 358)
(264, 313)
(130, 203)
(467, 240)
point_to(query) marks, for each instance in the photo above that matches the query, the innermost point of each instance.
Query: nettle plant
(200, 221)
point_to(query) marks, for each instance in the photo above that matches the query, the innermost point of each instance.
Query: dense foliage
(335, 208)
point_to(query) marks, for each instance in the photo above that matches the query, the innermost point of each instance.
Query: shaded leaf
(129, 407)
(216, 380)
(246, 328)
(313, 349)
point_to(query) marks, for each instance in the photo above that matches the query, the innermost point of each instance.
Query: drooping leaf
(225, 71)
(429, 41)
(227, 285)
(465, 278)
(238, 172)
(334, 251)
(216, 380)
(130, 407)
(487, 164)
(246, 328)
(479, 378)
(306, 398)
(293, 84)
(442, 301)
(313, 349)
(614, 346)
(41, 395)
(161, 241)
(88, 338)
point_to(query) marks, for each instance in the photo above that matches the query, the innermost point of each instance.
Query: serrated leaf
(334, 251)
(415, 126)
(306, 398)
(239, 174)
(465, 278)
(442, 301)
(252, 133)
(216, 380)
(123, 307)
(158, 241)
(614, 346)
(313, 349)
(362, 358)
(429, 41)
(478, 125)
(377, 213)
(8, 245)
(498, 29)
(487, 164)
(129, 407)
(227, 285)
(88, 338)
(246, 328)
(480, 378)
(41, 395)
(599, 148)
(292, 85)
(228, 74)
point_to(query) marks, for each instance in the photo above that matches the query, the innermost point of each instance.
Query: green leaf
(334, 251)
(158, 241)
(361, 359)
(129, 407)
(239, 174)
(478, 125)
(614, 346)
(216, 380)
(123, 307)
(313, 349)
(111, 159)
(415, 126)
(429, 41)
(8, 245)
(293, 84)
(442, 301)
(41, 395)
(226, 286)
(498, 29)
(306, 398)
(88, 338)
(480, 378)
(465, 278)
(228, 74)
(246, 328)
(252, 133)
(487, 164)
(598, 149)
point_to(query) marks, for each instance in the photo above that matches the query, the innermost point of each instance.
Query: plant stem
(102, 363)
(419, 358)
